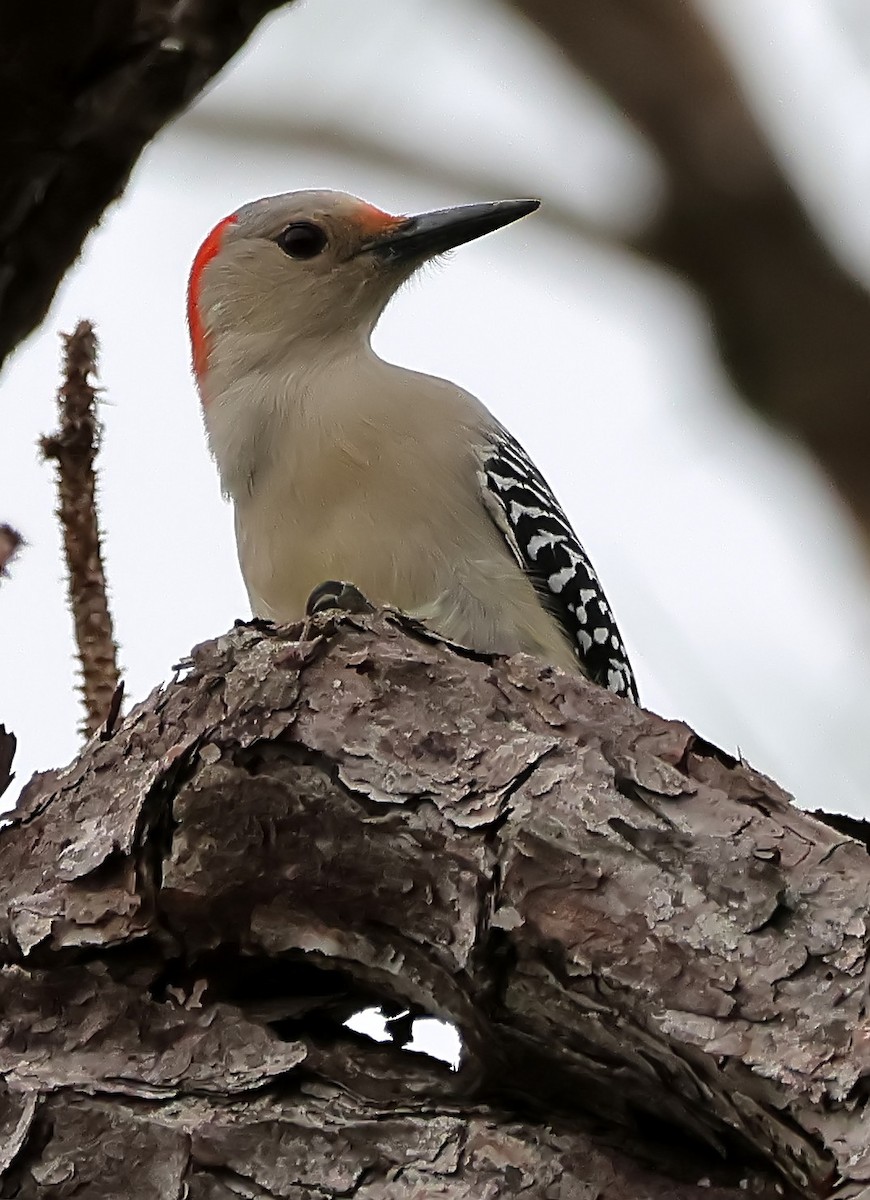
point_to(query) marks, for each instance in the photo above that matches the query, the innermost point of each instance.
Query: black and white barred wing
(546, 547)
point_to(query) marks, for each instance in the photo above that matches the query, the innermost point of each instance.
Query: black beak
(434, 232)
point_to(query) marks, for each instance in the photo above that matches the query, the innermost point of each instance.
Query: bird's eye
(302, 239)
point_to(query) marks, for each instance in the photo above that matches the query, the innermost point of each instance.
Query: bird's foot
(261, 624)
(336, 593)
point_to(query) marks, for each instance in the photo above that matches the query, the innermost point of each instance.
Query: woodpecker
(343, 466)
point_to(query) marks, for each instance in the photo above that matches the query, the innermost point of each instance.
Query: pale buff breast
(405, 524)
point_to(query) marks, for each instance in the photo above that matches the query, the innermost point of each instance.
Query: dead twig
(74, 448)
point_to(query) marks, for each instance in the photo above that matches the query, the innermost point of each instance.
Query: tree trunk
(85, 85)
(657, 964)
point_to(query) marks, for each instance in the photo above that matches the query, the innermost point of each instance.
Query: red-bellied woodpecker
(343, 466)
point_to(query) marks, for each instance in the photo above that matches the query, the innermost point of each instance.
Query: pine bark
(656, 962)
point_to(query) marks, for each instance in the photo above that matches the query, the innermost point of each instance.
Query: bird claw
(261, 624)
(336, 593)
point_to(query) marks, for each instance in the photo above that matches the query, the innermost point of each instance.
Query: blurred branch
(84, 86)
(74, 448)
(277, 131)
(791, 323)
(10, 544)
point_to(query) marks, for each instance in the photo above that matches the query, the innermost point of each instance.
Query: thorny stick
(74, 448)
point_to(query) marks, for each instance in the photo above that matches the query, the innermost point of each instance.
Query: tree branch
(644, 944)
(8, 743)
(10, 544)
(791, 323)
(74, 449)
(85, 85)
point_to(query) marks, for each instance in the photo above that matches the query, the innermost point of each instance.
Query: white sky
(731, 569)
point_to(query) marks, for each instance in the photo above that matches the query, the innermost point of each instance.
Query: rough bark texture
(658, 964)
(73, 449)
(85, 85)
(790, 322)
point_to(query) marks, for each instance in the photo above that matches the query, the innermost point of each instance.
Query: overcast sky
(732, 570)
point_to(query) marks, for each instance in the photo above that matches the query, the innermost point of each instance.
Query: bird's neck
(258, 404)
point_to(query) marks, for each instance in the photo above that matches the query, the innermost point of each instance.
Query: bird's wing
(545, 546)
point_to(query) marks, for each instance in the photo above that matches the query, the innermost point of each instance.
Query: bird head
(313, 265)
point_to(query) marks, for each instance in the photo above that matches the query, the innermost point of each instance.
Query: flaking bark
(657, 963)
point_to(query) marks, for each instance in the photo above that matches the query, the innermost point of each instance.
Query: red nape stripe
(204, 255)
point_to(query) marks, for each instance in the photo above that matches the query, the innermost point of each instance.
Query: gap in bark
(269, 990)
(298, 1000)
(425, 1035)
(699, 747)
(853, 827)
(778, 919)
